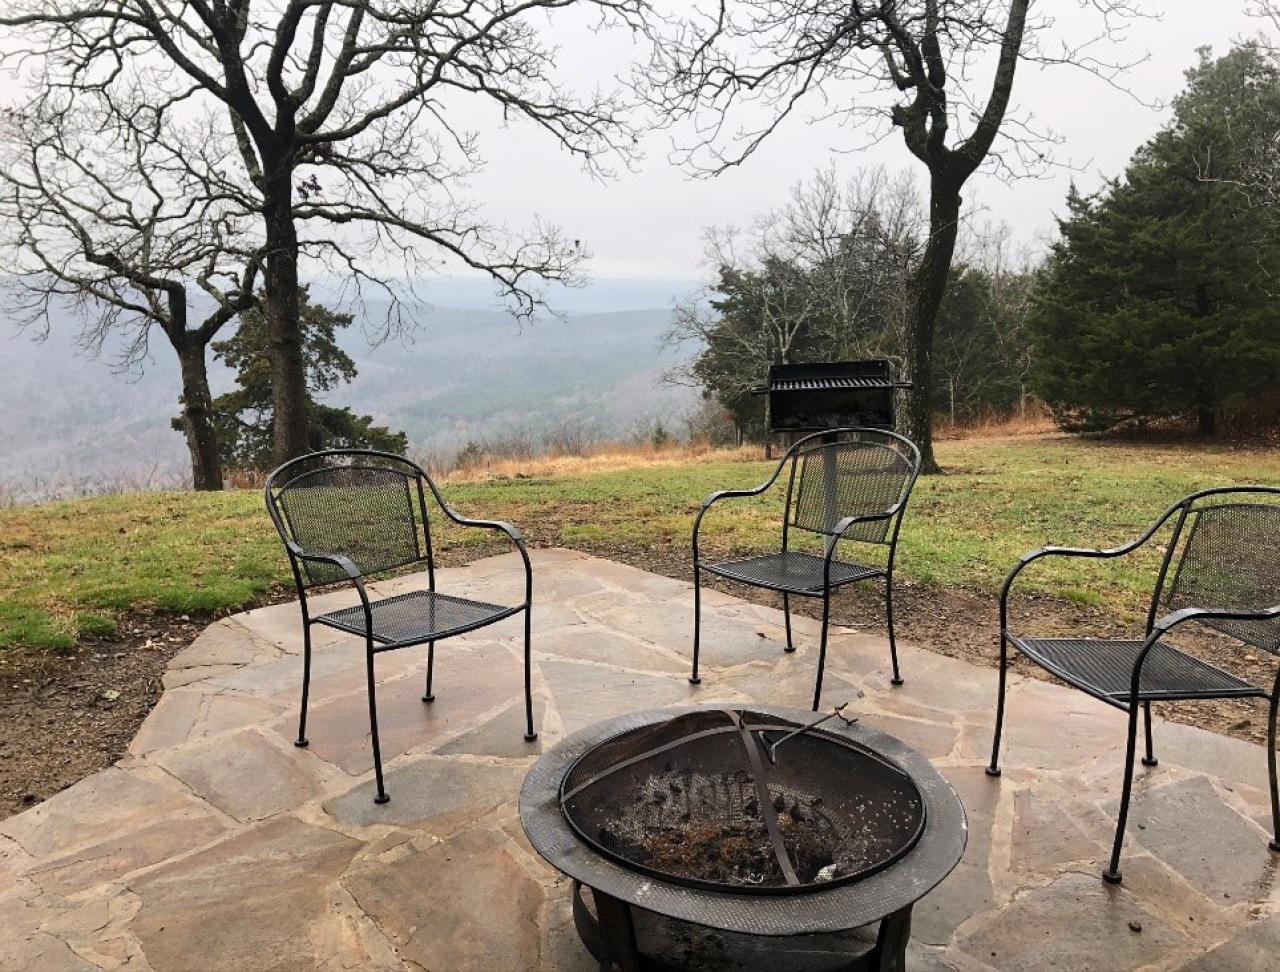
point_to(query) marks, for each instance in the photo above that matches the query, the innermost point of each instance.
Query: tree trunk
(1207, 422)
(197, 414)
(288, 366)
(928, 284)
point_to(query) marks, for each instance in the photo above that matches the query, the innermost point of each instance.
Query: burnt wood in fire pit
(778, 864)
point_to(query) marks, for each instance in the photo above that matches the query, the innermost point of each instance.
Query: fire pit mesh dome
(698, 800)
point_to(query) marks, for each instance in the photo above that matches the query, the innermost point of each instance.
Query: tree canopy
(243, 417)
(826, 278)
(1159, 297)
(340, 126)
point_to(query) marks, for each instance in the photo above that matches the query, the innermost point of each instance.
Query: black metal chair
(1226, 545)
(345, 514)
(844, 485)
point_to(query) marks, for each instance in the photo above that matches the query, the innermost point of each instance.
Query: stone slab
(120, 854)
(225, 642)
(468, 684)
(503, 735)
(463, 904)
(1189, 827)
(1074, 923)
(243, 775)
(111, 802)
(1255, 949)
(245, 903)
(429, 788)
(584, 694)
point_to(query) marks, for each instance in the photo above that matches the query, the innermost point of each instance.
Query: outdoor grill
(828, 395)
(718, 838)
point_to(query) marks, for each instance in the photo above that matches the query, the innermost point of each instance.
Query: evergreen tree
(1158, 299)
(243, 417)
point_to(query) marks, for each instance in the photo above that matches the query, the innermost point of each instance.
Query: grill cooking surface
(819, 384)
(697, 801)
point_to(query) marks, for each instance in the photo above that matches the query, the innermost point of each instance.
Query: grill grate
(822, 384)
(695, 800)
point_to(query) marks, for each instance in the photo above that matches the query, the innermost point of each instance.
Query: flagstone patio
(216, 844)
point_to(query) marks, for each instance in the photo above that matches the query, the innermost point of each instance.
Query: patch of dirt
(66, 715)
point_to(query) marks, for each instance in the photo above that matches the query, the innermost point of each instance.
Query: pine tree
(243, 417)
(1158, 298)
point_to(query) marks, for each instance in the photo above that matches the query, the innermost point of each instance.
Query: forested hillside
(72, 425)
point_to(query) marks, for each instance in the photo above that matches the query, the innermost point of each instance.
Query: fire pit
(740, 838)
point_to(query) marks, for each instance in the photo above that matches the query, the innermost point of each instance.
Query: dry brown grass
(1034, 421)
(606, 457)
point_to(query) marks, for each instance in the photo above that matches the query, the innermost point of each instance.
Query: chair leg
(994, 768)
(428, 695)
(1150, 758)
(1112, 874)
(530, 733)
(382, 796)
(306, 685)
(786, 613)
(697, 622)
(822, 647)
(1271, 767)
(893, 643)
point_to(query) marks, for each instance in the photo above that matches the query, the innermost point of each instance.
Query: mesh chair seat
(793, 571)
(416, 617)
(1104, 669)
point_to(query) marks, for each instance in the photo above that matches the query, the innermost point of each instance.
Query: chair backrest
(1230, 559)
(850, 472)
(356, 503)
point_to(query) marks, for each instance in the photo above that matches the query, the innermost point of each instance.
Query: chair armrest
(500, 525)
(349, 567)
(1170, 621)
(733, 494)
(1091, 552)
(843, 526)
(1181, 616)
(724, 494)
(1033, 555)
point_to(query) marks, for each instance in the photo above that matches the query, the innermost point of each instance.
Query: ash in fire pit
(697, 800)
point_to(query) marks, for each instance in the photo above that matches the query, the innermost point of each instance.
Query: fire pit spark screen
(711, 800)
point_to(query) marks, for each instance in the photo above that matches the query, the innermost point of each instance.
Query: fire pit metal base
(884, 897)
(633, 940)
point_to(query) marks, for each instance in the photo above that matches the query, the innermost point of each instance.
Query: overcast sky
(647, 224)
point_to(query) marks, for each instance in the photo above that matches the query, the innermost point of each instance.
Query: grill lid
(698, 800)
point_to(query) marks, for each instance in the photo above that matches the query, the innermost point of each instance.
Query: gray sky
(648, 223)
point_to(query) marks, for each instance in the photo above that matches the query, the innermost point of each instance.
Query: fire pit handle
(773, 747)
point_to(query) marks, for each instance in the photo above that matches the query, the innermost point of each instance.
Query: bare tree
(740, 69)
(107, 217)
(347, 118)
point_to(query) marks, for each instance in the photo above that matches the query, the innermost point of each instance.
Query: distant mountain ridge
(69, 425)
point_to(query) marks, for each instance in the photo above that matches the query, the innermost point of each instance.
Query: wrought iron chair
(1222, 569)
(345, 514)
(844, 485)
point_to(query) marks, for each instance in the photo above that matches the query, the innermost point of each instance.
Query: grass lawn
(69, 570)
